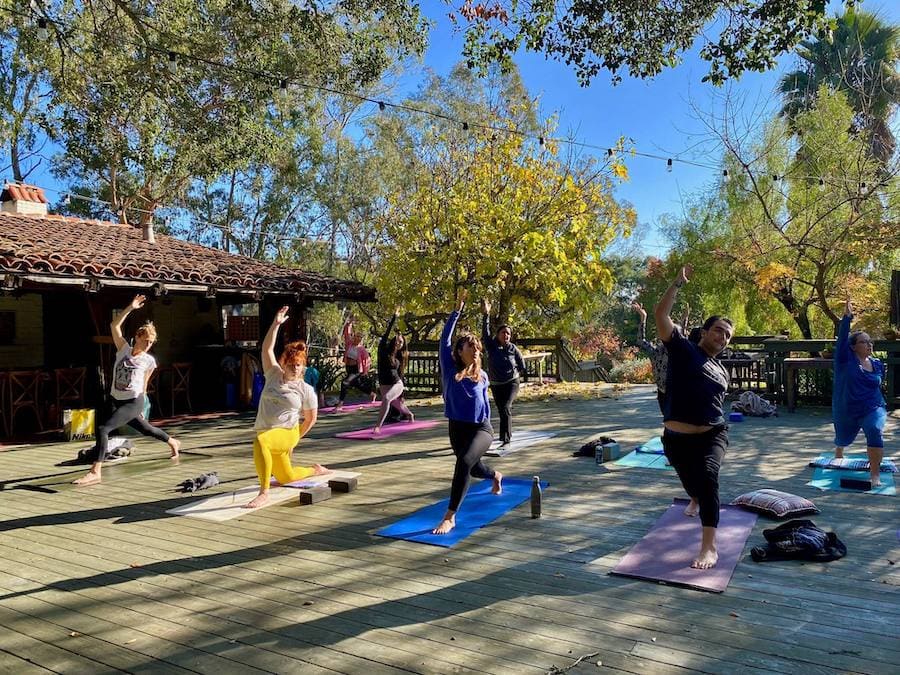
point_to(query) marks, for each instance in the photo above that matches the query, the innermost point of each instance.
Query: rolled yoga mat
(479, 508)
(665, 553)
(387, 430)
(520, 439)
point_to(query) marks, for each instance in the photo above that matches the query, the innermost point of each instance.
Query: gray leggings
(126, 412)
(391, 396)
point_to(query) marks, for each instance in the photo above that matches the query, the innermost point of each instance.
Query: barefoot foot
(89, 478)
(497, 487)
(259, 500)
(319, 470)
(445, 526)
(707, 559)
(692, 509)
(876, 479)
(175, 446)
(376, 431)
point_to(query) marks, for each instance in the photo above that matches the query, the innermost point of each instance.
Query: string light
(822, 184)
(465, 126)
(42, 32)
(724, 173)
(173, 63)
(669, 165)
(381, 105)
(540, 140)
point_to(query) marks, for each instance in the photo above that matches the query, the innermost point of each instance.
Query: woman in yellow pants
(278, 427)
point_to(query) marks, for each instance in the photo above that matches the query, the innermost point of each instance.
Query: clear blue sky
(657, 114)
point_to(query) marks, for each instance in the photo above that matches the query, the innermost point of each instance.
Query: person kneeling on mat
(856, 399)
(695, 436)
(467, 408)
(277, 426)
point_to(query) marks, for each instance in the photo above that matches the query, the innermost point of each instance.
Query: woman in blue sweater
(466, 406)
(856, 399)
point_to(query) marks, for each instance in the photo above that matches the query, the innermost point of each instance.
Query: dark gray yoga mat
(665, 553)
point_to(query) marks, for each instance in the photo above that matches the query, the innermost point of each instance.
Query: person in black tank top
(695, 436)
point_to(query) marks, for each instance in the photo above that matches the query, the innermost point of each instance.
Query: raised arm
(643, 343)
(446, 346)
(346, 332)
(390, 327)
(268, 345)
(486, 323)
(842, 346)
(663, 310)
(116, 326)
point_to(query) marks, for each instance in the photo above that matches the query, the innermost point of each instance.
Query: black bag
(799, 540)
(590, 448)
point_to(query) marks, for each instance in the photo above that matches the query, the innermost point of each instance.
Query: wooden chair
(69, 388)
(24, 393)
(181, 385)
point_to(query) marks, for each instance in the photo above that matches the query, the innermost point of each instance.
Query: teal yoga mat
(652, 447)
(830, 479)
(644, 460)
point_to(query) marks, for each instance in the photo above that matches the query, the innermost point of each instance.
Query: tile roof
(74, 248)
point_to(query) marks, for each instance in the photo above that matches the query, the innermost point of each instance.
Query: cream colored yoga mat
(229, 505)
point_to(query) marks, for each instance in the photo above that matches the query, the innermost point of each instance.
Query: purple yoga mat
(349, 407)
(665, 553)
(387, 430)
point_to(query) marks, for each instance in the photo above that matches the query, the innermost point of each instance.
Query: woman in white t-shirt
(278, 427)
(132, 371)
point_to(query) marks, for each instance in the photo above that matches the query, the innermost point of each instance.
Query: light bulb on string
(724, 173)
(42, 32)
(381, 105)
(822, 184)
(67, 199)
(173, 63)
(541, 140)
(669, 165)
(465, 126)
(863, 188)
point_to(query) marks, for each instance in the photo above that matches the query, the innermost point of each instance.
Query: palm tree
(858, 56)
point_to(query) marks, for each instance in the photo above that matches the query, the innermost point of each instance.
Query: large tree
(497, 212)
(805, 225)
(154, 95)
(859, 56)
(641, 38)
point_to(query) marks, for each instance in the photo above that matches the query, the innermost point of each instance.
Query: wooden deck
(100, 579)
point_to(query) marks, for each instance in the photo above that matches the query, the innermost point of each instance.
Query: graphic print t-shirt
(130, 373)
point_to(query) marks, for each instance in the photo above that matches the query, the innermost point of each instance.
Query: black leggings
(469, 440)
(696, 459)
(126, 412)
(354, 379)
(504, 395)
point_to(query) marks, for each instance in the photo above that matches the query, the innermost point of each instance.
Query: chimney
(23, 199)
(147, 231)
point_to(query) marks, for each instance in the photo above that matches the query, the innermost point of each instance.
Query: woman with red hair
(278, 428)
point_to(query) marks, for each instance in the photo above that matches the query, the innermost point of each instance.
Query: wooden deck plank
(518, 596)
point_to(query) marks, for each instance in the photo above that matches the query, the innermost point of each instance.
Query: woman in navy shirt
(466, 406)
(695, 436)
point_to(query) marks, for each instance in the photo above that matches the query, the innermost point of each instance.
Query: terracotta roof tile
(55, 245)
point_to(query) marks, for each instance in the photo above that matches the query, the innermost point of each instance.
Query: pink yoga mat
(349, 407)
(387, 430)
(666, 551)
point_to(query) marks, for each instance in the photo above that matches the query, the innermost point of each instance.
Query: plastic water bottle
(536, 497)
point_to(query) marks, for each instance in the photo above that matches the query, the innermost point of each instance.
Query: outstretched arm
(485, 322)
(663, 310)
(643, 343)
(446, 346)
(390, 327)
(116, 326)
(268, 345)
(842, 346)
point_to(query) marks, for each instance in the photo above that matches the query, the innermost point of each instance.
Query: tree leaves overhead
(145, 105)
(639, 37)
(494, 212)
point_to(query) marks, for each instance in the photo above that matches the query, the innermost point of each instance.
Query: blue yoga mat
(478, 509)
(830, 479)
(652, 447)
(644, 460)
